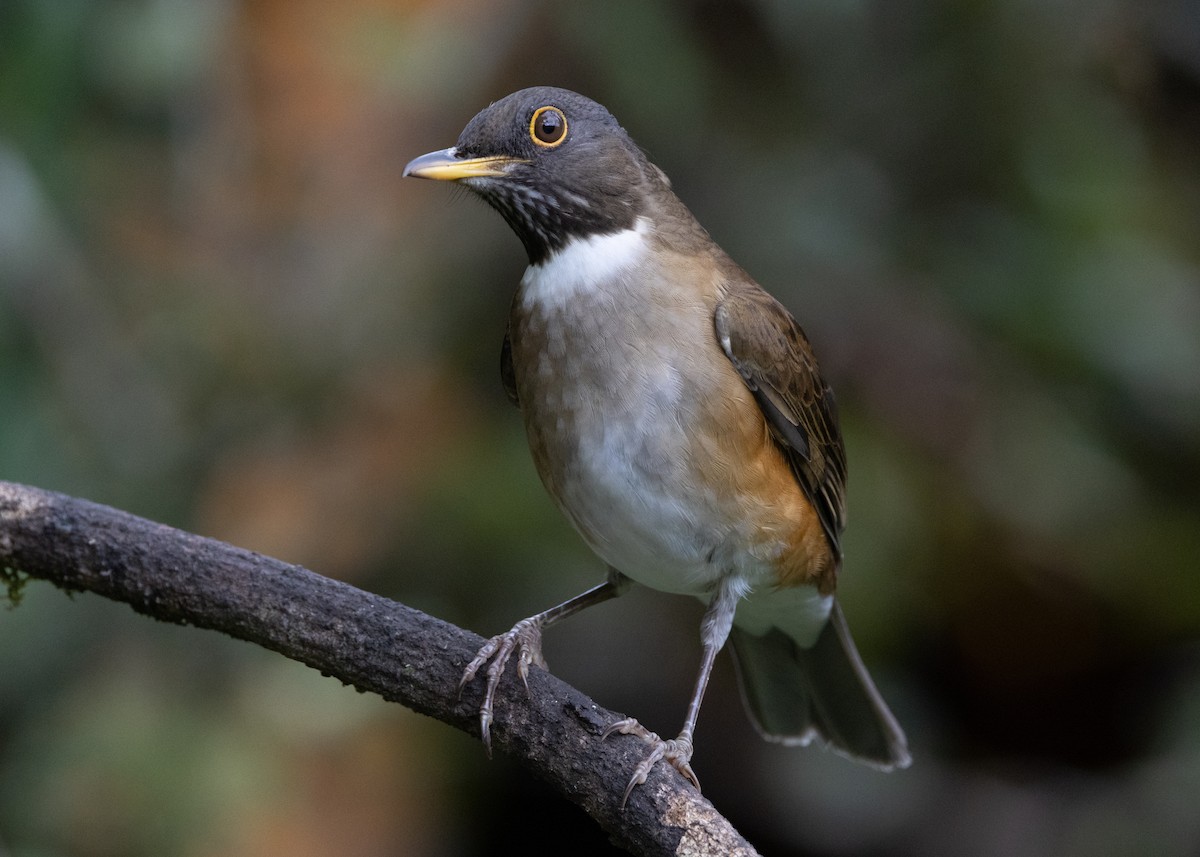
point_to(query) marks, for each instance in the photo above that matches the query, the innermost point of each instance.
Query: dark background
(222, 308)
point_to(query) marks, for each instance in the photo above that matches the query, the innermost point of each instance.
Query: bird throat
(547, 220)
(582, 265)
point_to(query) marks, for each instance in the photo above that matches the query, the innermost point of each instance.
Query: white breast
(608, 406)
(581, 264)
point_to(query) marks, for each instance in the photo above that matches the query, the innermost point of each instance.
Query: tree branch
(364, 640)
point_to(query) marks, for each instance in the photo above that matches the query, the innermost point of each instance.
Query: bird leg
(526, 639)
(714, 631)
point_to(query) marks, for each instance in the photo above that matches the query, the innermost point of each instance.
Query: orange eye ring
(548, 127)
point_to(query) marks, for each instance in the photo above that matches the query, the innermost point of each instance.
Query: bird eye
(548, 127)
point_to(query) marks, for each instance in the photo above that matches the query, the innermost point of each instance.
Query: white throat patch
(581, 264)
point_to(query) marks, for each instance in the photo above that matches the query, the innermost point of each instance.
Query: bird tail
(794, 694)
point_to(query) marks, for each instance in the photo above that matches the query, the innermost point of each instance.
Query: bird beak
(448, 167)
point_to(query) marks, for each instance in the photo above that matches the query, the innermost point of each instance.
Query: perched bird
(677, 416)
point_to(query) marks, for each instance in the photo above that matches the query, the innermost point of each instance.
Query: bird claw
(676, 751)
(526, 639)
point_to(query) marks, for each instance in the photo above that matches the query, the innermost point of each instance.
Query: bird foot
(676, 751)
(526, 639)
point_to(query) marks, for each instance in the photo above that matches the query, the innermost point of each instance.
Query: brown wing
(773, 356)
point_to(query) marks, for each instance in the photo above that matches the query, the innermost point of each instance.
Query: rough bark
(364, 640)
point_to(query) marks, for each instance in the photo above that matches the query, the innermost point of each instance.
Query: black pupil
(549, 126)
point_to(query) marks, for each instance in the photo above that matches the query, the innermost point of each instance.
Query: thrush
(677, 415)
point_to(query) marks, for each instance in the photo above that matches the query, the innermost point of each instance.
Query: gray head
(555, 165)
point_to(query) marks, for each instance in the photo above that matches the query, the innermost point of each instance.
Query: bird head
(554, 164)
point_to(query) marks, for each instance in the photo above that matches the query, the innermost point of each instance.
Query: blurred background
(222, 308)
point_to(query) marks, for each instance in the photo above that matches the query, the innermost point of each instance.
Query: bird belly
(637, 509)
(633, 506)
(642, 450)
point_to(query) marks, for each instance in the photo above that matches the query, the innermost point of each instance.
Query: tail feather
(795, 694)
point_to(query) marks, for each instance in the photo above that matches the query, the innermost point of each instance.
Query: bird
(676, 414)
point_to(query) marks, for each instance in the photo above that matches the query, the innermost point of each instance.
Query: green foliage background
(220, 307)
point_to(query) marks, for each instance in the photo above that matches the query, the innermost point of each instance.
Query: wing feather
(773, 356)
